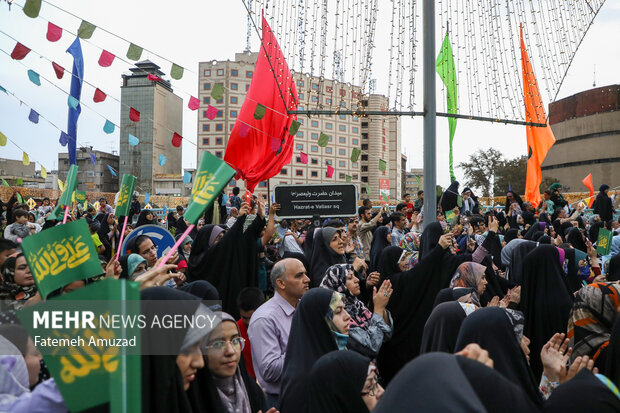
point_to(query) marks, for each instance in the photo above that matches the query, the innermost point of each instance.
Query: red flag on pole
(587, 181)
(274, 87)
(539, 139)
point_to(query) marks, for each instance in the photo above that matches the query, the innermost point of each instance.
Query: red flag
(60, 71)
(274, 144)
(176, 140)
(134, 115)
(211, 112)
(304, 158)
(54, 33)
(152, 77)
(99, 96)
(106, 58)
(539, 139)
(194, 103)
(587, 181)
(330, 171)
(253, 156)
(20, 51)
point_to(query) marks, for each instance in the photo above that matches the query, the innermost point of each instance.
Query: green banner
(80, 196)
(65, 198)
(60, 255)
(213, 174)
(603, 244)
(355, 154)
(125, 194)
(447, 72)
(92, 375)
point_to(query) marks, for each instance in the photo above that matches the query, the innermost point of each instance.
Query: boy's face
(22, 219)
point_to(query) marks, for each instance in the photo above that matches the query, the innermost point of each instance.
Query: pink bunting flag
(194, 103)
(176, 140)
(211, 112)
(274, 144)
(60, 71)
(153, 77)
(134, 115)
(106, 58)
(244, 128)
(20, 51)
(330, 171)
(304, 158)
(99, 96)
(54, 33)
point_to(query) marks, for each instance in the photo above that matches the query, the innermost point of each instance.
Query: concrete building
(91, 178)
(12, 170)
(161, 114)
(414, 182)
(587, 132)
(376, 136)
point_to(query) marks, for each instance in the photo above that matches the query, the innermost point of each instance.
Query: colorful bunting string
(54, 33)
(176, 140)
(59, 70)
(86, 30)
(161, 160)
(134, 52)
(133, 141)
(34, 77)
(32, 8)
(106, 59)
(25, 159)
(108, 127)
(99, 96)
(134, 115)
(19, 51)
(33, 116)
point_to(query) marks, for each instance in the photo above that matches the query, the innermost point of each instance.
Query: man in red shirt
(407, 200)
(249, 299)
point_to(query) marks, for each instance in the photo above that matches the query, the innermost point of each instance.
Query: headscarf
(511, 234)
(440, 382)
(602, 204)
(336, 381)
(171, 221)
(103, 235)
(335, 279)
(592, 318)
(13, 374)
(323, 256)
(451, 294)
(379, 243)
(450, 196)
(442, 328)
(576, 239)
(430, 238)
(132, 263)
(183, 255)
(615, 245)
(584, 393)
(411, 244)
(388, 264)
(513, 255)
(10, 290)
(611, 367)
(309, 339)
(142, 218)
(613, 273)
(469, 274)
(594, 229)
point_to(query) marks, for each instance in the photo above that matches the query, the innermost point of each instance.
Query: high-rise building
(378, 137)
(414, 182)
(92, 178)
(161, 114)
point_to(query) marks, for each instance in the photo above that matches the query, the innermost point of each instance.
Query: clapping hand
(554, 356)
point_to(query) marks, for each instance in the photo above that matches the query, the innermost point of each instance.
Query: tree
(480, 168)
(511, 172)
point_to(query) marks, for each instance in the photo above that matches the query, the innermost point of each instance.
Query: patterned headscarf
(517, 319)
(468, 274)
(411, 244)
(335, 279)
(11, 291)
(592, 318)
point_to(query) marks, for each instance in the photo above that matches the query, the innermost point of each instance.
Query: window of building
(234, 86)
(315, 136)
(314, 174)
(90, 173)
(315, 86)
(301, 96)
(284, 171)
(328, 161)
(364, 168)
(355, 141)
(218, 154)
(207, 86)
(206, 101)
(341, 175)
(300, 83)
(314, 123)
(328, 125)
(341, 152)
(328, 89)
(299, 172)
(341, 164)
(207, 72)
(354, 176)
(219, 127)
(314, 148)
(364, 179)
(364, 157)
(204, 113)
(342, 128)
(364, 136)
(231, 126)
(205, 141)
(206, 127)
(300, 134)
(343, 92)
(233, 113)
(328, 101)
(233, 99)
(364, 124)
(220, 100)
(219, 114)
(220, 72)
(249, 74)
(343, 117)
(247, 87)
(262, 184)
(328, 150)
(364, 146)
(298, 159)
(219, 141)
(343, 104)
(315, 99)
(299, 147)
(355, 118)
(342, 139)
(354, 164)
(234, 72)
(314, 161)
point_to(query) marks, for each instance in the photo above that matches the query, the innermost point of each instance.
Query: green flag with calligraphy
(60, 255)
(123, 202)
(65, 198)
(88, 374)
(603, 244)
(447, 72)
(80, 196)
(213, 174)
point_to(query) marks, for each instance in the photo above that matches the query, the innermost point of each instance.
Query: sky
(202, 31)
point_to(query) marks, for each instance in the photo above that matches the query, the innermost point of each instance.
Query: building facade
(92, 178)
(161, 114)
(414, 182)
(587, 132)
(14, 172)
(376, 136)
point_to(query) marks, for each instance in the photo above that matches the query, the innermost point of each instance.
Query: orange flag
(539, 139)
(587, 181)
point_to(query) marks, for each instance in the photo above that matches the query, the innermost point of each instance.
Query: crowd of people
(506, 309)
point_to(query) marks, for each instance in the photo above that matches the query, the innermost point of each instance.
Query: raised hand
(578, 364)
(475, 352)
(554, 356)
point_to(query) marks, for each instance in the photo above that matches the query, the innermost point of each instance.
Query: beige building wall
(411, 183)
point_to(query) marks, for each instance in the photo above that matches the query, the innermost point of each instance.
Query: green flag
(217, 92)
(294, 127)
(134, 52)
(88, 374)
(347, 178)
(260, 111)
(382, 165)
(60, 255)
(19, 182)
(603, 244)
(19, 198)
(124, 196)
(368, 189)
(32, 8)
(86, 30)
(213, 174)
(459, 201)
(65, 198)
(176, 71)
(355, 155)
(80, 196)
(450, 216)
(447, 72)
(323, 139)
(5, 183)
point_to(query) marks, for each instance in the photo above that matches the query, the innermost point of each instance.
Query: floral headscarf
(468, 274)
(335, 279)
(411, 244)
(9, 290)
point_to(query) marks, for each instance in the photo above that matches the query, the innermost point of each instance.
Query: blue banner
(76, 91)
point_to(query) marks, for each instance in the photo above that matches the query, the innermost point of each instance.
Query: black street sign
(324, 200)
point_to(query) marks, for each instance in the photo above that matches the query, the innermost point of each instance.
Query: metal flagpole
(430, 114)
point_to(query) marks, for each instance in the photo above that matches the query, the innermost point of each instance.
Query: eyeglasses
(371, 386)
(238, 343)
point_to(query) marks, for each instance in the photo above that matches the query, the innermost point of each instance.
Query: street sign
(160, 236)
(324, 200)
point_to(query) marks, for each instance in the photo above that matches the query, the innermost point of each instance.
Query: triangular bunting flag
(43, 172)
(106, 58)
(382, 165)
(93, 158)
(244, 128)
(330, 171)
(153, 77)
(187, 177)
(347, 178)
(108, 127)
(133, 141)
(176, 71)
(260, 111)
(134, 52)
(161, 159)
(73, 102)
(194, 103)
(99, 96)
(176, 140)
(294, 128)
(32, 8)
(64, 138)
(217, 92)
(86, 30)
(274, 144)
(33, 116)
(60, 71)
(34, 77)
(54, 33)
(355, 154)
(5, 183)
(304, 158)
(134, 115)
(323, 139)
(19, 51)
(2, 139)
(211, 112)
(112, 171)
(25, 159)
(60, 185)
